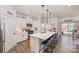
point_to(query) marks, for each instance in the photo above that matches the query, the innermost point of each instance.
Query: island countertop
(42, 36)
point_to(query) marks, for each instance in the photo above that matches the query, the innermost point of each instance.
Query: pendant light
(42, 12)
(47, 16)
(50, 17)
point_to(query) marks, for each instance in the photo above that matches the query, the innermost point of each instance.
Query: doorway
(67, 28)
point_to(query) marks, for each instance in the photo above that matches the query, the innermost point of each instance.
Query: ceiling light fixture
(42, 12)
(47, 16)
(50, 17)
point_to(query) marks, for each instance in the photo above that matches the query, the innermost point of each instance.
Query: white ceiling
(57, 10)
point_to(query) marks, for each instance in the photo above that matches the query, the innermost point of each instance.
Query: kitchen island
(37, 38)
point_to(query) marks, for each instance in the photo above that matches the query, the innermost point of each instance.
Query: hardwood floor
(65, 45)
(21, 47)
(1, 43)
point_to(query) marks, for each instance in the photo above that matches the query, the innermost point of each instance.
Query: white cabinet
(35, 44)
(21, 35)
(11, 36)
(10, 40)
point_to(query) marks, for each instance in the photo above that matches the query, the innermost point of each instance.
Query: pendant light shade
(50, 17)
(42, 12)
(47, 15)
(42, 5)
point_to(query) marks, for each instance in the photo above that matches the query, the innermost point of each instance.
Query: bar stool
(53, 43)
(55, 36)
(49, 45)
(44, 44)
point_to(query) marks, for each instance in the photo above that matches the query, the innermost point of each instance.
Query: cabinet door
(9, 33)
(21, 35)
